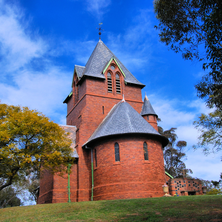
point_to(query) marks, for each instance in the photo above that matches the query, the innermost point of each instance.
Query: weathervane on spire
(100, 30)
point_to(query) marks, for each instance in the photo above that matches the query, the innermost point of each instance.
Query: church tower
(118, 153)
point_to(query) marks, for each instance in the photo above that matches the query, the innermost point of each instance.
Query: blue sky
(41, 41)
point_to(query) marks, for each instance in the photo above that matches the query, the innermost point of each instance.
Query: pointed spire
(98, 61)
(147, 108)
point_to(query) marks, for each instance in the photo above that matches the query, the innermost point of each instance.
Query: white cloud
(17, 47)
(200, 106)
(83, 51)
(44, 92)
(22, 85)
(204, 167)
(141, 30)
(98, 7)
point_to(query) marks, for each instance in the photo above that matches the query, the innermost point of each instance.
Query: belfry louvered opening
(109, 82)
(118, 88)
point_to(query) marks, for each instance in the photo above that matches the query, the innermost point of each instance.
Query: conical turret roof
(98, 60)
(147, 108)
(124, 119)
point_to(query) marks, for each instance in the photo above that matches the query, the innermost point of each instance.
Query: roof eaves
(73, 77)
(68, 97)
(168, 175)
(162, 139)
(136, 84)
(119, 67)
(75, 71)
(106, 67)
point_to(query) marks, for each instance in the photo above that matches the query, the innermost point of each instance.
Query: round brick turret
(149, 114)
(132, 176)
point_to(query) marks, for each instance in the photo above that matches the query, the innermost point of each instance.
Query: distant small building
(185, 187)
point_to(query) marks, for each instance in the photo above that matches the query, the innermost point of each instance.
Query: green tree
(206, 183)
(194, 28)
(8, 198)
(29, 142)
(214, 191)
(174, 154)
(210, 127)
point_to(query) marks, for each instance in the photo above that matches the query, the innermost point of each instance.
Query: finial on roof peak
(146, 98)
(100, 30)
(123, 100)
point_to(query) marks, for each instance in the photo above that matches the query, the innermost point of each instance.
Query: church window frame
(118, 84)
(112, 66)
(109, 82)
(117, 156)
(145, 150)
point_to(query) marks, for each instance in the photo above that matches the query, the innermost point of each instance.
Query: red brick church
(117, 148)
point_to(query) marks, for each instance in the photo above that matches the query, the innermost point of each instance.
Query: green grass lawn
(190, 208)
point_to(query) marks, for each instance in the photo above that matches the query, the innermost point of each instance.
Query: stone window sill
(146, 162)
(116, 163)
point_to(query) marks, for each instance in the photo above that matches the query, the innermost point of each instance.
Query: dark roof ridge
(124, 119)
(99, 58)
(147, 108)
(120, 62)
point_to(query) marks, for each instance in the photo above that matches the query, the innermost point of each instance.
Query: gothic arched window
(118, 88)
(145, 149)
(117, 152)
(109, 82)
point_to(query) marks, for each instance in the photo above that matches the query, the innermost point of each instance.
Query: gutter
(69, 193)
(92, 174)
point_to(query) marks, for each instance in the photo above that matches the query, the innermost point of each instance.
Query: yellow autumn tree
(29, 142)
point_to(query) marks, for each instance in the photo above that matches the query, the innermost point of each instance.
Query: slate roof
(147, 109)
(98, 60)
(124, 119)
(79, 70)
(72, 135)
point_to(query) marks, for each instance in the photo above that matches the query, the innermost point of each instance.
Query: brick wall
(152, 120)
(46, 187)
(132, 176)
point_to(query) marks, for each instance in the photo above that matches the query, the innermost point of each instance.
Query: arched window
(145, 149)
(117, 152)
(118, 88)
(109, 82)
